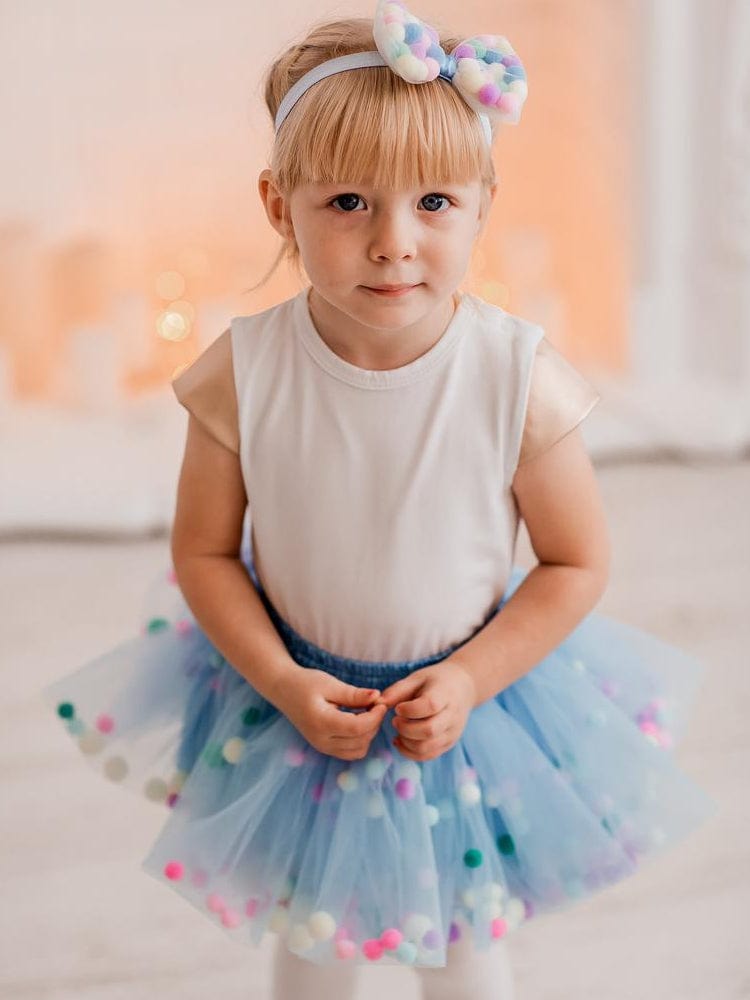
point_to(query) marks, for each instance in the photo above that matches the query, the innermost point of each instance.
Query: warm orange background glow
(131, 219)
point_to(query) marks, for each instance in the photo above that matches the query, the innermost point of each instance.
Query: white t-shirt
(383, 521)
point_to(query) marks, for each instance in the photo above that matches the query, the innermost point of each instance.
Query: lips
(388, 288)
(390, 291)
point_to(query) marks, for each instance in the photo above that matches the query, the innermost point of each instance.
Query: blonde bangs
(370, 126)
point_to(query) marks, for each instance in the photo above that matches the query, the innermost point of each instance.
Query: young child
(378, 739)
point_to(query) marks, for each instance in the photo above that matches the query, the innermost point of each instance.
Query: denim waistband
(362, 673)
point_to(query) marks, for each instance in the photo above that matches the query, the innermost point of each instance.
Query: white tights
(468, 975)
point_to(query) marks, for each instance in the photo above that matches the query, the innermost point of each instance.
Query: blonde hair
(368, 125)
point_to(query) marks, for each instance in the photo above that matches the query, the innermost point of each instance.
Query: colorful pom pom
(345, 948)
(391, 938)
(174, 870)
(498, 927)
(473, 858)
(372, 949)
(105, 723)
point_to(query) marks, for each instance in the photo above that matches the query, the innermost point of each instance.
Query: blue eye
(435, 195)
(351, 199)
(345, 197)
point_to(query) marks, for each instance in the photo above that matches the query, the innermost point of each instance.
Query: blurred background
(130, 226)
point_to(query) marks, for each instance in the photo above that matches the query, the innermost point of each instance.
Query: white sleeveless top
(383, 525)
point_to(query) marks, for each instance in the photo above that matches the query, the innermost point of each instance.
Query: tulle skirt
(562, 784)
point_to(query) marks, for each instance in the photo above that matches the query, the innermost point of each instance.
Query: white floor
(79, 920)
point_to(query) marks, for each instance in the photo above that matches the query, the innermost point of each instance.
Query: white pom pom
(322, 925)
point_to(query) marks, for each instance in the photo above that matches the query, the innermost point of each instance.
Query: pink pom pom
(372, 949)
(498, 927)
(183, 626)
(508, 102)
(215, 903)
(346, 949)
(405, 788)
(105, 723)
(649, 727)
(171, 575)
(489, 94)
(433, 67)
(464, 52)
(174, 870)
(231, 918)
(391, 938)
(251, 907)
(419, 49)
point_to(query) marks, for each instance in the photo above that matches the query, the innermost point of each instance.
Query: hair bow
(484, 69)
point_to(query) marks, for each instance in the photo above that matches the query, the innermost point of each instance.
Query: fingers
(423, 729)
(423, 749)
(421, 708)
(345, 725)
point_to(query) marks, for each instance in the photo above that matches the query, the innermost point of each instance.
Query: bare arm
(205, 544)
(559, 499)
(206, 540)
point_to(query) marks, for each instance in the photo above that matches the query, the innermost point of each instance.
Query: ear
(275, 204)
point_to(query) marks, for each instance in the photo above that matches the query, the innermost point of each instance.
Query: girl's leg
(470, 974)
(296, 978)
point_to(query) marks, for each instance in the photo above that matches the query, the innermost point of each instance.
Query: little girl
(378, 739)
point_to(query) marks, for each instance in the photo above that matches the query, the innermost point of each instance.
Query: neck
(373, 348)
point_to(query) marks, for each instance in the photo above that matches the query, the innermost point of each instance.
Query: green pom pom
(212, 754)
(65, 710)
(157, 625)
(473, 858)
(505, 844)
(251, 716)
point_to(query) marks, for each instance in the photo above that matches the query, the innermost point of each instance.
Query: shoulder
(501, 332)
(211, 386)
(265, 323)
(559, 398)
(548, 394)
(206, 389)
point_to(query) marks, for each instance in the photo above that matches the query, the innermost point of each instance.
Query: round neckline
(384, 378)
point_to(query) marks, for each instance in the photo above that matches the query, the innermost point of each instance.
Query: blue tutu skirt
(562, 784)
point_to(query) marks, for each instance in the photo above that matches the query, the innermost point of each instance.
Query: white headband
(355, 60)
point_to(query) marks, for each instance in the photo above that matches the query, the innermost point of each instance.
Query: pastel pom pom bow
(484, 69)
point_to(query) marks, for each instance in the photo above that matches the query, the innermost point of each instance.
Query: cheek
(326, 244)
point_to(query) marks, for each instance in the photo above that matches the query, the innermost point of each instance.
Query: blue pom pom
(413, 32)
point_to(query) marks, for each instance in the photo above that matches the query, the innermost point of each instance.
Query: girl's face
(353, 239)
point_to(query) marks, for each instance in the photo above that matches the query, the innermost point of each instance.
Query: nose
(393, 237)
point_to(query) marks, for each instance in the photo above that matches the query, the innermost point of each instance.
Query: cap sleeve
(559, 398)
(207, 390)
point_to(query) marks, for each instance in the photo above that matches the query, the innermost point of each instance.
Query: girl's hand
(312, 702)
(432, 706)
